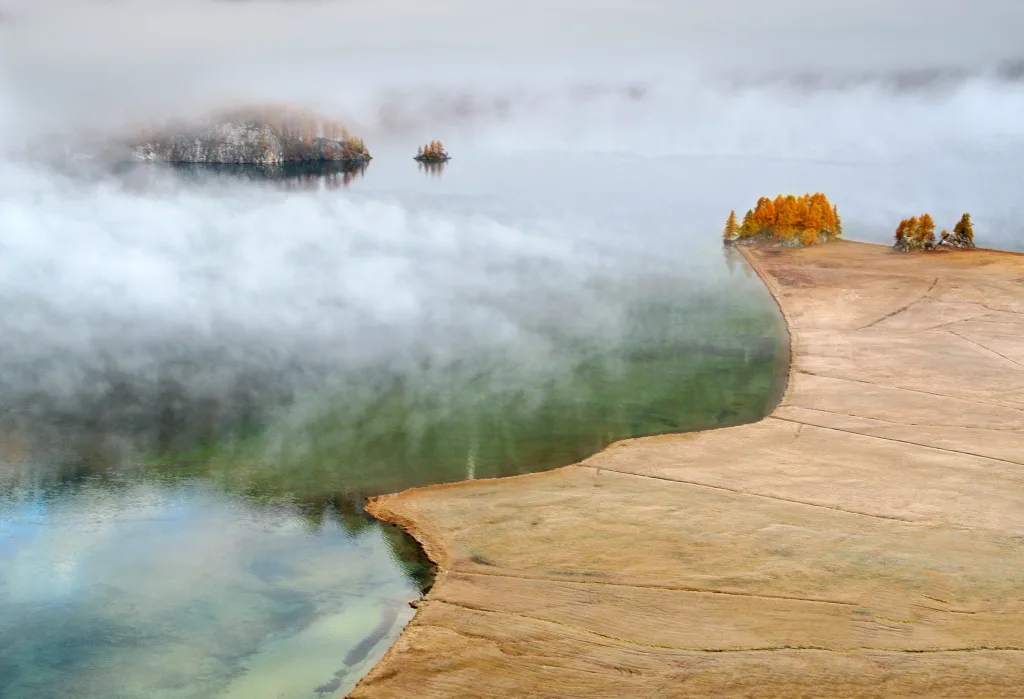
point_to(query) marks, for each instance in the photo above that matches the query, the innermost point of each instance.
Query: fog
(623, 131)
(693, 76)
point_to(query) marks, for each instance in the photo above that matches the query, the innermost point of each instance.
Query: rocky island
(433, 152)
(259, 136)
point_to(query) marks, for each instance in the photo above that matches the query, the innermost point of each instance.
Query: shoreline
(450, 521)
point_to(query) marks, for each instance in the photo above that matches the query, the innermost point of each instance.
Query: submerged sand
(866, 539)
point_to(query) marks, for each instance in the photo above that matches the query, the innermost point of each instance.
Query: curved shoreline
(842, 499)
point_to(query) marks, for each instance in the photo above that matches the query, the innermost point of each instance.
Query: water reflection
(126, 588)
(181, 511)
(734, 261)
(435, 169)
(305, 176)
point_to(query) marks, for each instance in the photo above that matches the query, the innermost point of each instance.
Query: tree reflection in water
(309, 176)
(435, 169)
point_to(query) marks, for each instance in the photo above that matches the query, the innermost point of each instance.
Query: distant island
(788, 221)
(433, 152)
(254, 136)
(918, 233)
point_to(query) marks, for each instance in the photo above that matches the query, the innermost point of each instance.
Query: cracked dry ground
(867, 539)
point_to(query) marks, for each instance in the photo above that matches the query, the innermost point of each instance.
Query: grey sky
(121, 58)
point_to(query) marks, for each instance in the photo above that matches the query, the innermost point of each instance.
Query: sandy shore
(866, 539)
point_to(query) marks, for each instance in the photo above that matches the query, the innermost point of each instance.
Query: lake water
(223, 367)
(204, 373)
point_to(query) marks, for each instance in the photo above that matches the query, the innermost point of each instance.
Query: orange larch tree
(732, 228)
(804, 220)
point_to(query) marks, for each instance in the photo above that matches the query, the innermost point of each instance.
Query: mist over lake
(203, 373)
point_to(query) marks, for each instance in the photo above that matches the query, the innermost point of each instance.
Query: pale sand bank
(866, 539)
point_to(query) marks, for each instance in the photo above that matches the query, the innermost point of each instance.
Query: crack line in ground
(903, 308)
(954, 322)
(911, 390)
(900, 441)
(901, 424)
(752, 494)
(997, 310)
(747, 649)
(987, 349)
(670, 588)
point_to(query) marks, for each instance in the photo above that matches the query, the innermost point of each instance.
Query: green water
(687, 364)
(182, 518)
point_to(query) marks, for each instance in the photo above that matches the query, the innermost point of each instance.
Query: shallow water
(181, 495)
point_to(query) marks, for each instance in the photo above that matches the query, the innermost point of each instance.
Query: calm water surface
(181, 489)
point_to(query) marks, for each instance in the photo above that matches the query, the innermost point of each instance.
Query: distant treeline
(288, 122)
(295, 123)
(789, 220)
(918, 233)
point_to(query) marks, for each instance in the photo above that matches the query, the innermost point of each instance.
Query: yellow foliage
(432, 151)
(809, 218)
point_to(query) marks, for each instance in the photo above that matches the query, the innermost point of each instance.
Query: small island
(786, 221)
(918, 233)
(433, 152)
(254, 136)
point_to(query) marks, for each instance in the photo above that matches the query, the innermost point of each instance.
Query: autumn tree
(965, 228)
(919, 233)
(807, 219)
(901, 232)
(747, 227)
(732, 228)
(432, 151)
(963, 234)
(764, 216)
(911, 234)
(926, 231)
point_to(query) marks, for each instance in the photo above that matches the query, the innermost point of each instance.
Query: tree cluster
(297, 124)
(918, 233)
(806, 220)
(432, 151)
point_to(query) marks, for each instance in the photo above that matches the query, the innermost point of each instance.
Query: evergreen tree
(838, 225)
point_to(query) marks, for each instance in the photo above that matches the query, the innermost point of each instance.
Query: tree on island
(263, 134)
(788, 220)
(918, 233)
(432, 152)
